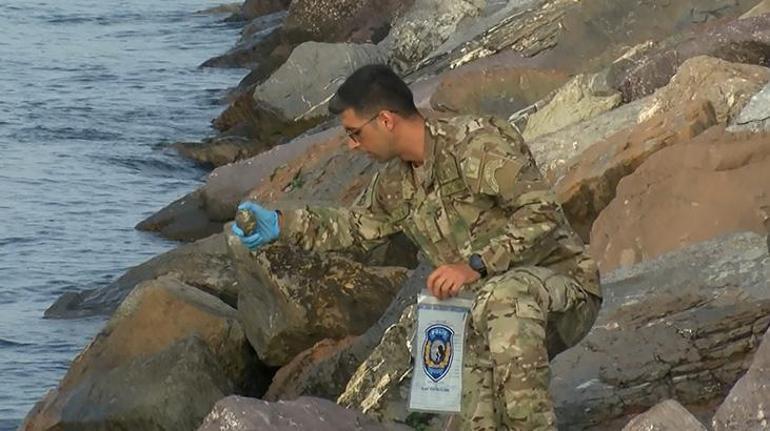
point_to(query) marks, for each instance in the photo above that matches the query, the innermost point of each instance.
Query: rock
(499, 88)
(252, 9)
(590, 178)
(229, 8)
(760, 9)
(204, 211)
(582, 98)
(289, 299)
(584, 36)
(204, 264)
(242, 414)
(173, 389)
(185, 219)
(755, 117)
(650, 66)
(325, 369)
(259, 39)
(553, 151)
(140, 344)
(668, 415)
(424, 27)
(214, 152)
(728, 86)
(713, 185)
(744, 407)
(680, 326)
(352, 21)
(301, 87)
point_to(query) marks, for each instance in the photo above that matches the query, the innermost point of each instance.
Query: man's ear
(388, 119)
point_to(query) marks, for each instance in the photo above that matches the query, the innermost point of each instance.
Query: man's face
(372, 134)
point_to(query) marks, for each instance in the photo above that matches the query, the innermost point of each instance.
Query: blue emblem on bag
(437, 352)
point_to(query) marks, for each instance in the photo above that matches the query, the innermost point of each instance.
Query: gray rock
(246, 414)
(428, 24)
(553, 151)
(745, 407)
(681, 326)
(580, 99)
(204, 264)
(755, 116)
(301, 87)
(668, 415)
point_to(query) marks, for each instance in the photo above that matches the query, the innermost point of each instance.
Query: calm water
(90, 93)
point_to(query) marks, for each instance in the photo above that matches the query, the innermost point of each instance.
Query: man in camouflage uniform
(467, 191)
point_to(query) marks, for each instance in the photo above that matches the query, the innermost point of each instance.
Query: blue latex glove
(267, 229)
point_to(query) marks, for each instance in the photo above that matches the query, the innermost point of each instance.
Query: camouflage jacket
(478, 191)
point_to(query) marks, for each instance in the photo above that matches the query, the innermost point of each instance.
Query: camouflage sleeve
(501, 166)
(363, 225)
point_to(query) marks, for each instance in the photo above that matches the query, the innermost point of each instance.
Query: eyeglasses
(354, 134)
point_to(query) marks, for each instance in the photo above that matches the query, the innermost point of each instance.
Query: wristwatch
(477, 264)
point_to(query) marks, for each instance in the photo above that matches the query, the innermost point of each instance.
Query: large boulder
(760, 9)
(242, 414)
(668, 415)
(651, 65)
(144, 339)
(744, 407)
(682, 326)
(755, 117)
(500, 87)
(426, 25)
(583, 36)
(553, 151)
(289, 299)
(204, 264)
(325, 369)
(300, 88)
(728, 86)
(589, 183)
(716, 184)
(204, 211)
(256, 46)
(582, 98)
(352, 21)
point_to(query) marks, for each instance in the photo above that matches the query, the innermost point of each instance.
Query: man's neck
(413, 137)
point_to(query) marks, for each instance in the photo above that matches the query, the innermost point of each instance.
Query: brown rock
(325, 369)
(745, 406)
(153, 317)
(220, 151)
(204, 264)
(589, 183)
(715, 184)
(668, 415)
(289, 300)
(760, 9)
(497, 88)
(342, 20)
(728, 86)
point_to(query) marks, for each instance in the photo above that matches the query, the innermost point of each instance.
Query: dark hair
(371, 89)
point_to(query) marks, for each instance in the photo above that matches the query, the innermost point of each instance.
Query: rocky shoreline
(652, 121)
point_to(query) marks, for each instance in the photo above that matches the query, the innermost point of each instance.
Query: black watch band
(477, 264)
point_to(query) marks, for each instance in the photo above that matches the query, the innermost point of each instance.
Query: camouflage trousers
(519, 321)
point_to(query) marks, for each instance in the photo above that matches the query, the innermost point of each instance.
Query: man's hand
(446, 280)
(268, 226)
